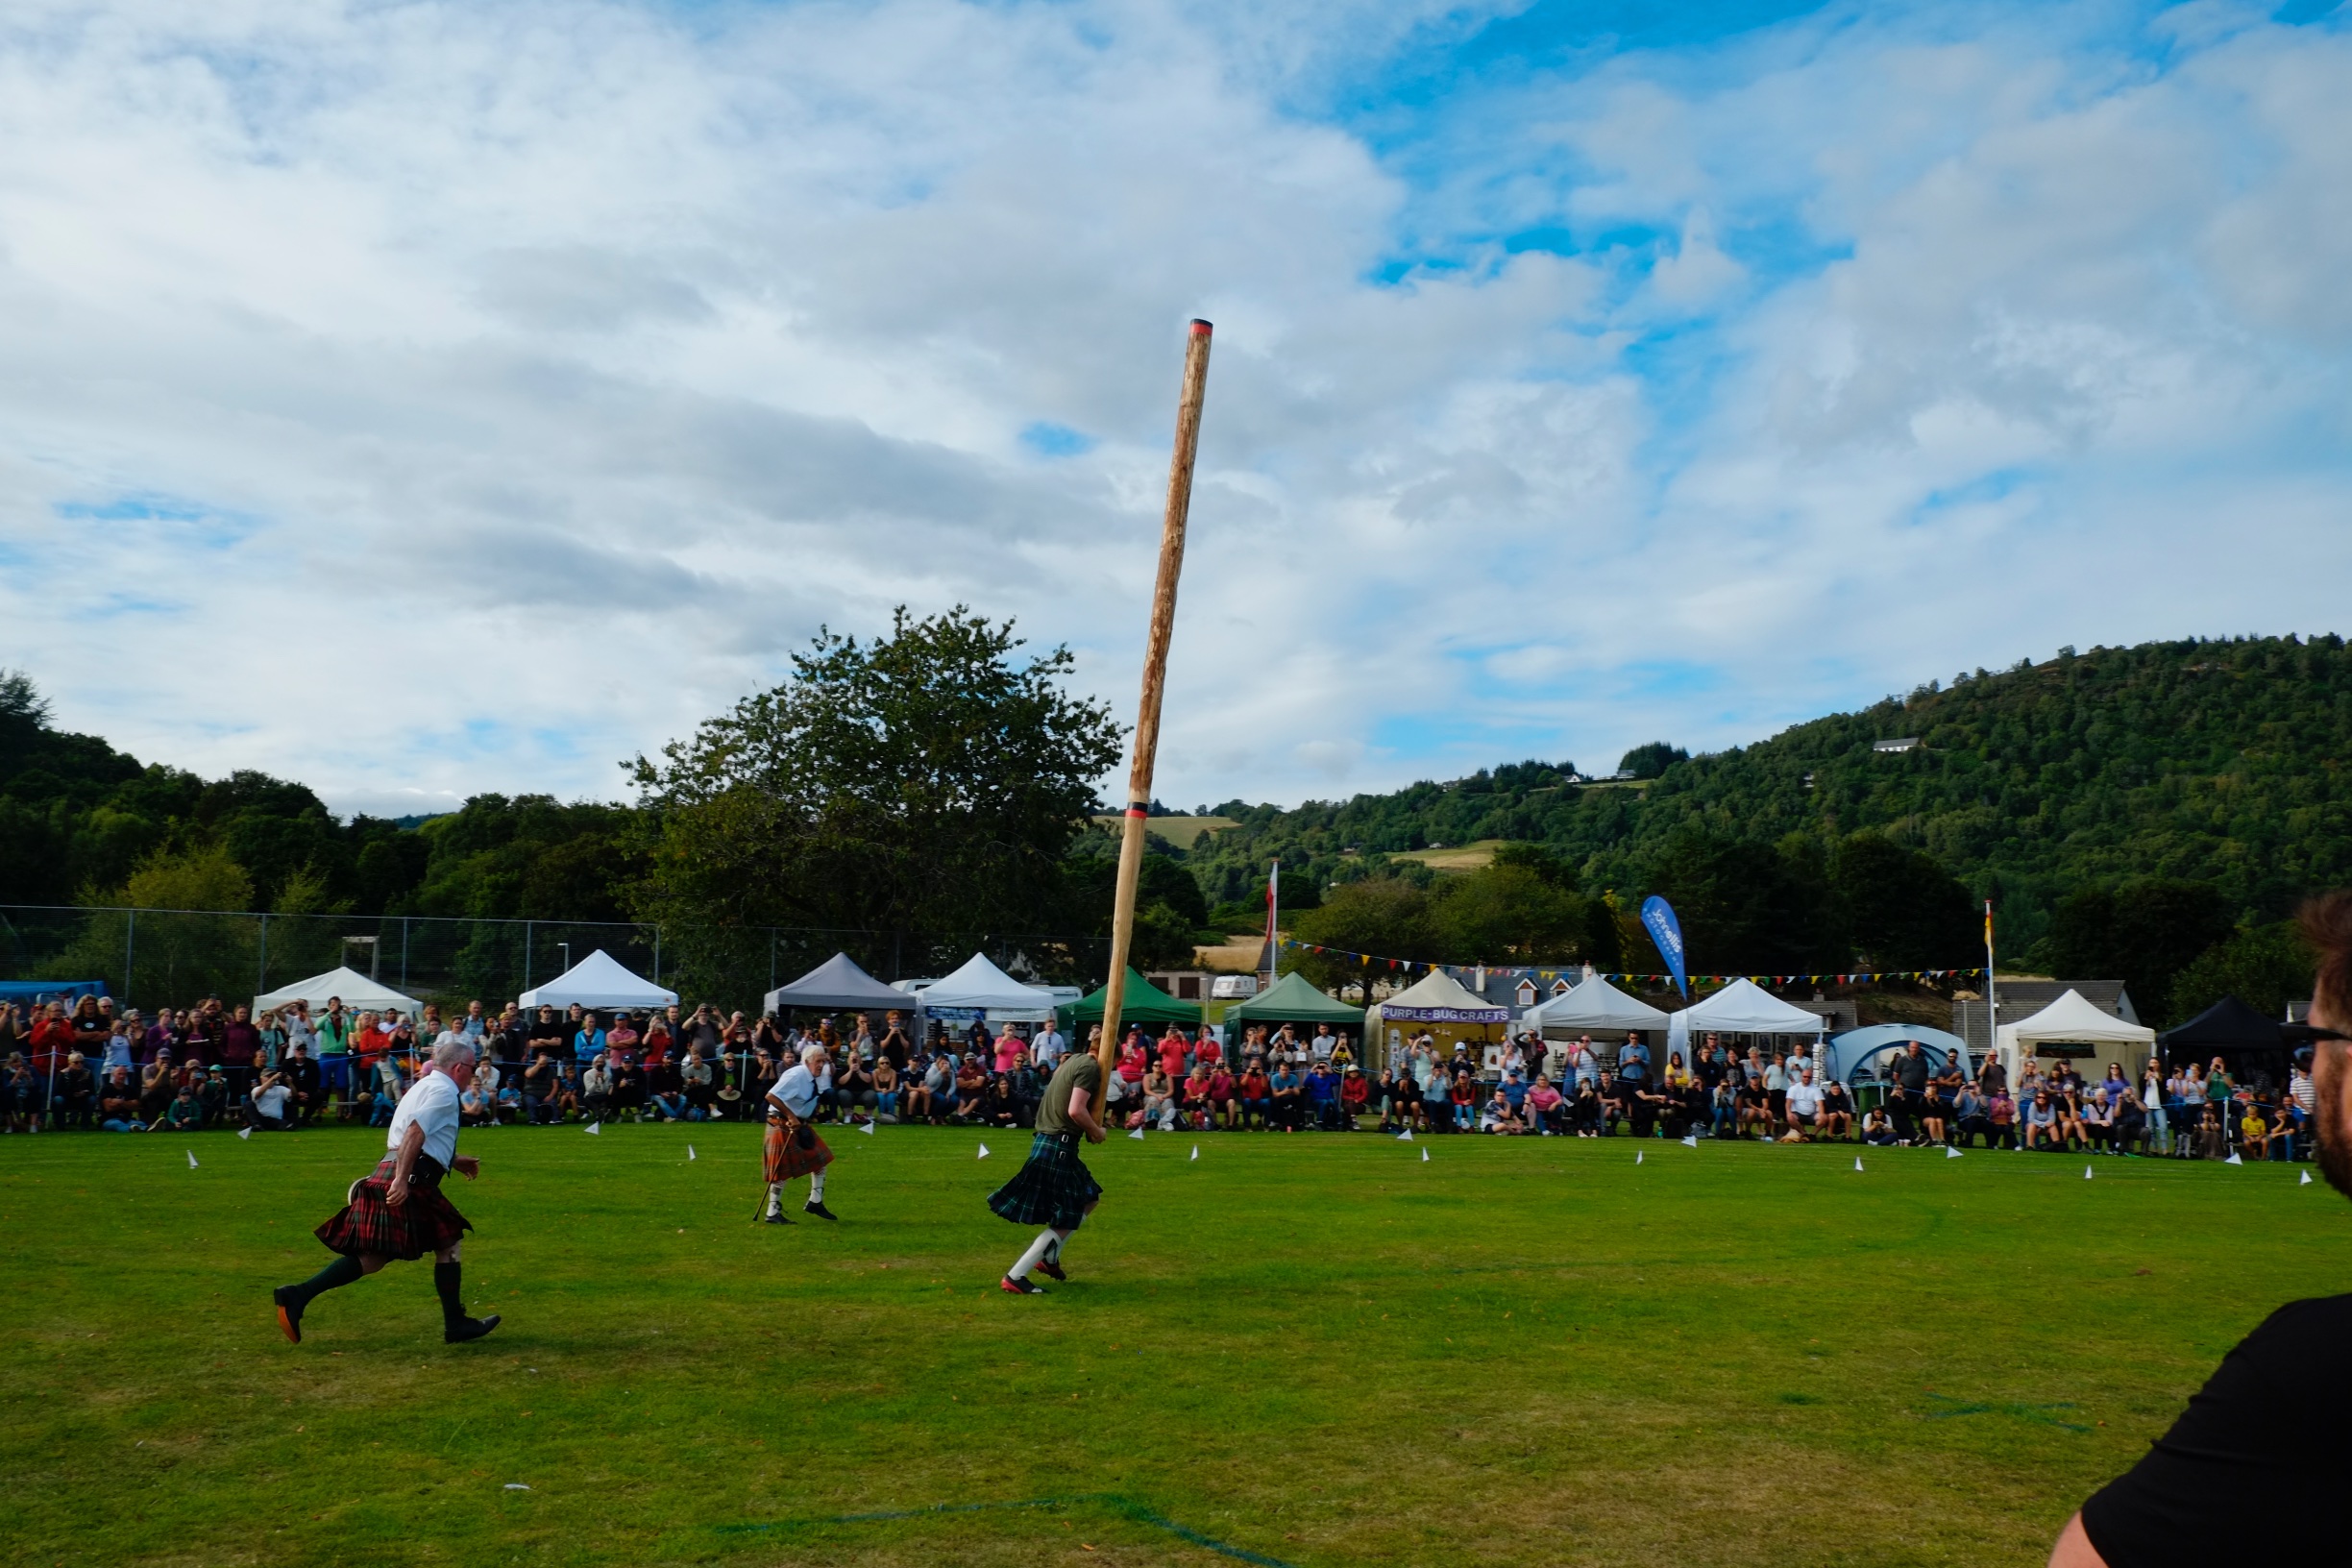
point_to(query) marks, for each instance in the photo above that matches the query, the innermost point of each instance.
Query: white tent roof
(1741, 1008)
(1594, 1004)
(1437, 998)
(980, 984)
(357, 990)
(2074, 1017)
(598, 981)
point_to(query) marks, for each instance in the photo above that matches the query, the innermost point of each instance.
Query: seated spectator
(1002, 1108)
(476, 1105)
(2253, 1132)
(540, 1086)
(213, 1094)
(931, 1090)
(971, 1092)
(1462, 1096)
(2071, 1132)
(694, 1084)
(269, 1107)
(596, 1091)
(1029, 1093)
(1803, 1108)
(1878, 1129)
(1159, 1097)
(1497, 1117)
(2097, 1121)
(886, 1091)
(1286, 1099)
(1544, 1106)
(1967, 1115)
(1322, 1088)
(665, 1096)
(76, 1101)
(2040, 1122)
(2131, 1124)
(185, 1113)
(1354, 1088)
(1754, 1108)
(1585, 1111)
(1224, 1097)
(2001, 1118)
(1837, 1118)
(118, 1102)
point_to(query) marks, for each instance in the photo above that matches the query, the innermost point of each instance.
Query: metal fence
(153, 958)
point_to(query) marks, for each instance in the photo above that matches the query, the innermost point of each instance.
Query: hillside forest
(2153, 813)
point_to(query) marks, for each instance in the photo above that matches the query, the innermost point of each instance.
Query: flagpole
(1992, 995)
(1155, 684)
(1273, 920)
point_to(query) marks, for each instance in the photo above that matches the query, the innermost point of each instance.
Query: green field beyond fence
(1304, 1351)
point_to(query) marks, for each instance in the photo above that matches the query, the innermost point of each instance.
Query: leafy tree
(1747, 907)
(2143, 932)
(1651, 760)
(1388, 917)
(916, 795)
(1901, 910)
(176, 955)
(2265, 967)
(1508, 914)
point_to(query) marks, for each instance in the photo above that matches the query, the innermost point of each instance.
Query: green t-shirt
(1077, 1070)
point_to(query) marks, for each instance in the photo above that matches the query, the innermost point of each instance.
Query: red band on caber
(1200, 328)
(1137, 811)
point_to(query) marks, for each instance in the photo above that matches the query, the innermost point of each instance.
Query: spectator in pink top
(1009, 1050)
(1173, 1052)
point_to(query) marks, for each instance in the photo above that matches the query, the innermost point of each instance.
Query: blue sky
(421, 398)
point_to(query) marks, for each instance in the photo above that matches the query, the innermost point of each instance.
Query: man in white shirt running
(793, 1148)
(399, 1211)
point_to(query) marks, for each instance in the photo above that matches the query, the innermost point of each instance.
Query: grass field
(1296, 1350)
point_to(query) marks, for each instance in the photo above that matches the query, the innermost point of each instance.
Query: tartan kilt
(1052, 1187)
(786, 1158)
(427, 1223)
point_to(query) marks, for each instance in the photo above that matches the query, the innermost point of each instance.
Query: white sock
(817, 1187)
(1033, 1257)
(776, 1197)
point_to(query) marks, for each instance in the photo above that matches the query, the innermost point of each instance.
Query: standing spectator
(587, 1043)
(2153, 1101)
(240, 1053)
(334, 1045)
(1633, 1063)
(1324, 1044)
(1911, 1074)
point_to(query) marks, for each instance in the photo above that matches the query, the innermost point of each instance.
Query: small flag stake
(1692, 1141)
(690, 1154)
(1857, 1161)
(1425, 1157)
(191, 1154)
(1638, 1157)
(594, 1128)
(1196, 1151)
(2233, 1159)
(244, 1132)
(984, 1151)
(1950, 1153)
(2306, 1180)
(1137, 1135)
(867, 1126)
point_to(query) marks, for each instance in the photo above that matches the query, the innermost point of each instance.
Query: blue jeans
(670, 1107)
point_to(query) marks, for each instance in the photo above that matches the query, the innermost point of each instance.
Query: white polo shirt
(1804, 1099)
(432, 1104)
(796, 1090)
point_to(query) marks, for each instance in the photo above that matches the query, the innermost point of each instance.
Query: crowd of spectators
(90, 1067)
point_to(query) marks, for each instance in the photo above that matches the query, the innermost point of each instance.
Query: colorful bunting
(1773, 981)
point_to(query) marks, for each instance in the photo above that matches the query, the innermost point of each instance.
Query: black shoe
(289, 1312)
(1012, 1286)
(779, 1218)
(813, 1206)
(471, 1327)
(1051, 1271)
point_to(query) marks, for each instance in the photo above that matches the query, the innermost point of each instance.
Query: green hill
(2215, 764)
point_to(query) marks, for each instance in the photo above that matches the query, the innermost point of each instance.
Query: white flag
(594, 1128)
(2086, 1173)
(1857, 1161)
(1638, 1157)
(690, 1154)
(1425, 1157)
(867, 1126)
(984, 1151)
(191, 1154)
(244, 1132)
(2233, 1159)
(1404, 1137)
(1196, 1151)
(2306, 1180)
(1692, 1141)
(1950, 1153)
(1137, 1135)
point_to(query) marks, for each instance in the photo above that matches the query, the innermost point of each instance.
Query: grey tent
(837, 986)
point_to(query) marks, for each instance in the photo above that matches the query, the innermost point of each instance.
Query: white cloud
(527, 381)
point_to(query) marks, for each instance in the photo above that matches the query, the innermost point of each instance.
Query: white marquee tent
(359, 992)
(598, 981)
(1741, 1008)
(1437, 998)
(2072, 1019)
(1592, 1007)
(981, 987)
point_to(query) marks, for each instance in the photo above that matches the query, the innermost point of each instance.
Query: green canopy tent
(1145, 1003)
(1293, 1000)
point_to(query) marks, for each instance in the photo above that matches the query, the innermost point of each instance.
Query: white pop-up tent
(1741, 1008)
(2072, 1026)
(359, 992)
(981, 987)
(1592, 1007)
(598, 980)
(1437, 998)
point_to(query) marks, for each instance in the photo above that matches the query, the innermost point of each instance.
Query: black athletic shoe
(779, 1218)
(1051, 1271)
(472, 1328)
(813, 1206)
(1012, 1286)
(289, 1313)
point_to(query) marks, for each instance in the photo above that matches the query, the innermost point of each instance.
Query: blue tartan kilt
(1052, 1187)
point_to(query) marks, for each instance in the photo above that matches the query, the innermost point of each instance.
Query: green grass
(1316, 1350)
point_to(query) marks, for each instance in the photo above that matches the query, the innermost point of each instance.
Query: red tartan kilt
(427, 1223)
(786, 1158)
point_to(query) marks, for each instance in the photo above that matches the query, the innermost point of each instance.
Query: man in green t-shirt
(1053, 1188)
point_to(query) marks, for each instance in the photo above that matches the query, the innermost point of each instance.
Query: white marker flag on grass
(1196, 1151)
(1425, 1157)
(1137, 1135)
(2233, 1159)
(984, 1151)
(1404, 1137)
(1950, 1153)
(1638, 1157)
(2306, 1180)
(690, 1154)
(2086, 1173)
(1692, 1141)
(1857, 1161)
(244, 1132)
(594, 1128)
(867, 1126)
(191, 1154)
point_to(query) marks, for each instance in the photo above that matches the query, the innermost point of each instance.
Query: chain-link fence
(154, 958)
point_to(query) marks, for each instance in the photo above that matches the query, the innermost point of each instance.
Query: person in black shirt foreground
(2270, 1422)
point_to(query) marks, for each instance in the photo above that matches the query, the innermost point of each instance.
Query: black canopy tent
(839, 986)
(2249, 1042)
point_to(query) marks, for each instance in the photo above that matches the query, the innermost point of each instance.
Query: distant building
(1906, 742)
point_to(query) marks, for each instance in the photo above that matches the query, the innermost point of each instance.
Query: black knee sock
(452, 1305)
(342, 1272)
